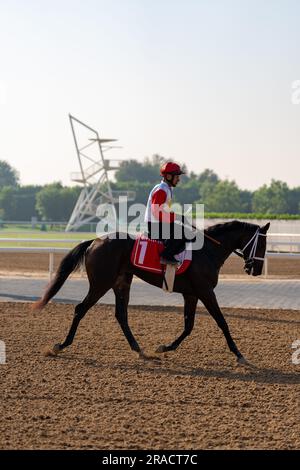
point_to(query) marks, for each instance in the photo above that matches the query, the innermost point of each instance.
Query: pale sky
(205, 82)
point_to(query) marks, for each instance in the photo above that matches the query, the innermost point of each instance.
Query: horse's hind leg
(210, 302)
(80, 310)
(190, 304)
(121, 290)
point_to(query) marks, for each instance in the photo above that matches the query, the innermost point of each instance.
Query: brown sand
(100, 395)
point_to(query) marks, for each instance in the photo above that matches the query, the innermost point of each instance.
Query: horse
(108, 266)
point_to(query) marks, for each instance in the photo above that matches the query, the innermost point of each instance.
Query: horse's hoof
(56, 349)
(52, 352)
(242, 361)
(161, 349)
(146, 357)
(142, 355)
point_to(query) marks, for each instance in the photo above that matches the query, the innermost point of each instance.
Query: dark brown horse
(108, 266)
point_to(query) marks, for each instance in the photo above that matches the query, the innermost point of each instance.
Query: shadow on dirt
(238, 372)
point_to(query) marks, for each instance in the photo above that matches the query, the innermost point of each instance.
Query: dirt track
(100, 395)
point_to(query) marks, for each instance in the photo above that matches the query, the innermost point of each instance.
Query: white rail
(41, 250)
(56, 250)
(48, 250)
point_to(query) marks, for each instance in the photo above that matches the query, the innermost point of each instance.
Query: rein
(212, 239)
(207, 236)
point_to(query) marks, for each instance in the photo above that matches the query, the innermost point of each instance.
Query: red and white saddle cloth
(146, 255)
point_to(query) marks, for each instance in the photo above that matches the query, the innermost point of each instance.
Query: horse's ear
(265, 228)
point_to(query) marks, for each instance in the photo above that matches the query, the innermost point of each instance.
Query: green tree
(246, 200)
(18, 203)
(147, 171)
(273, 199)
(8, 175)
(207, 180)
(187, 193)
(141, 190)
(208, 176)
(294, 200)
(223, 197)
(8, 203)
(25, 201)
(132, 170)
(55, 202)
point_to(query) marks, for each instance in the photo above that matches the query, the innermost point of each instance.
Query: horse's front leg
(190, 304)
(210, 302)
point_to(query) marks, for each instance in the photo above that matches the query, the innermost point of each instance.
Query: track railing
(51, 250)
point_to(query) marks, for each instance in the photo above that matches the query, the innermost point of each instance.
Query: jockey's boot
(168, 260)
(170, 250)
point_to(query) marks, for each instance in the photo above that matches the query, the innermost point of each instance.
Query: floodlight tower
(93, 174)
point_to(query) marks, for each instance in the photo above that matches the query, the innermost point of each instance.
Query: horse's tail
(68, 264)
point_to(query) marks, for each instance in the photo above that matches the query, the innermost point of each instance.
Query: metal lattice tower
(93, 174)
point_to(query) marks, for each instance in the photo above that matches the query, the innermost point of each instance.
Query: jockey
(158, 215)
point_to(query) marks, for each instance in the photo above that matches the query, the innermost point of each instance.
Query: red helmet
(171, 168)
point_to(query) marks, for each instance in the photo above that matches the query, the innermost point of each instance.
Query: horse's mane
(219, 229)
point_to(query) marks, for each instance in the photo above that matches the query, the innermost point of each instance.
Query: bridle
(249, 260)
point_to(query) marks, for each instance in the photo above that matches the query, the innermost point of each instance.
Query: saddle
(146, 255)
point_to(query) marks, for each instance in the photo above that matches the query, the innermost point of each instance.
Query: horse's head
(254, 250)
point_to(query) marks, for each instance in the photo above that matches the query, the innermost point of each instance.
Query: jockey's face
(176, 179)
(172, 180)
